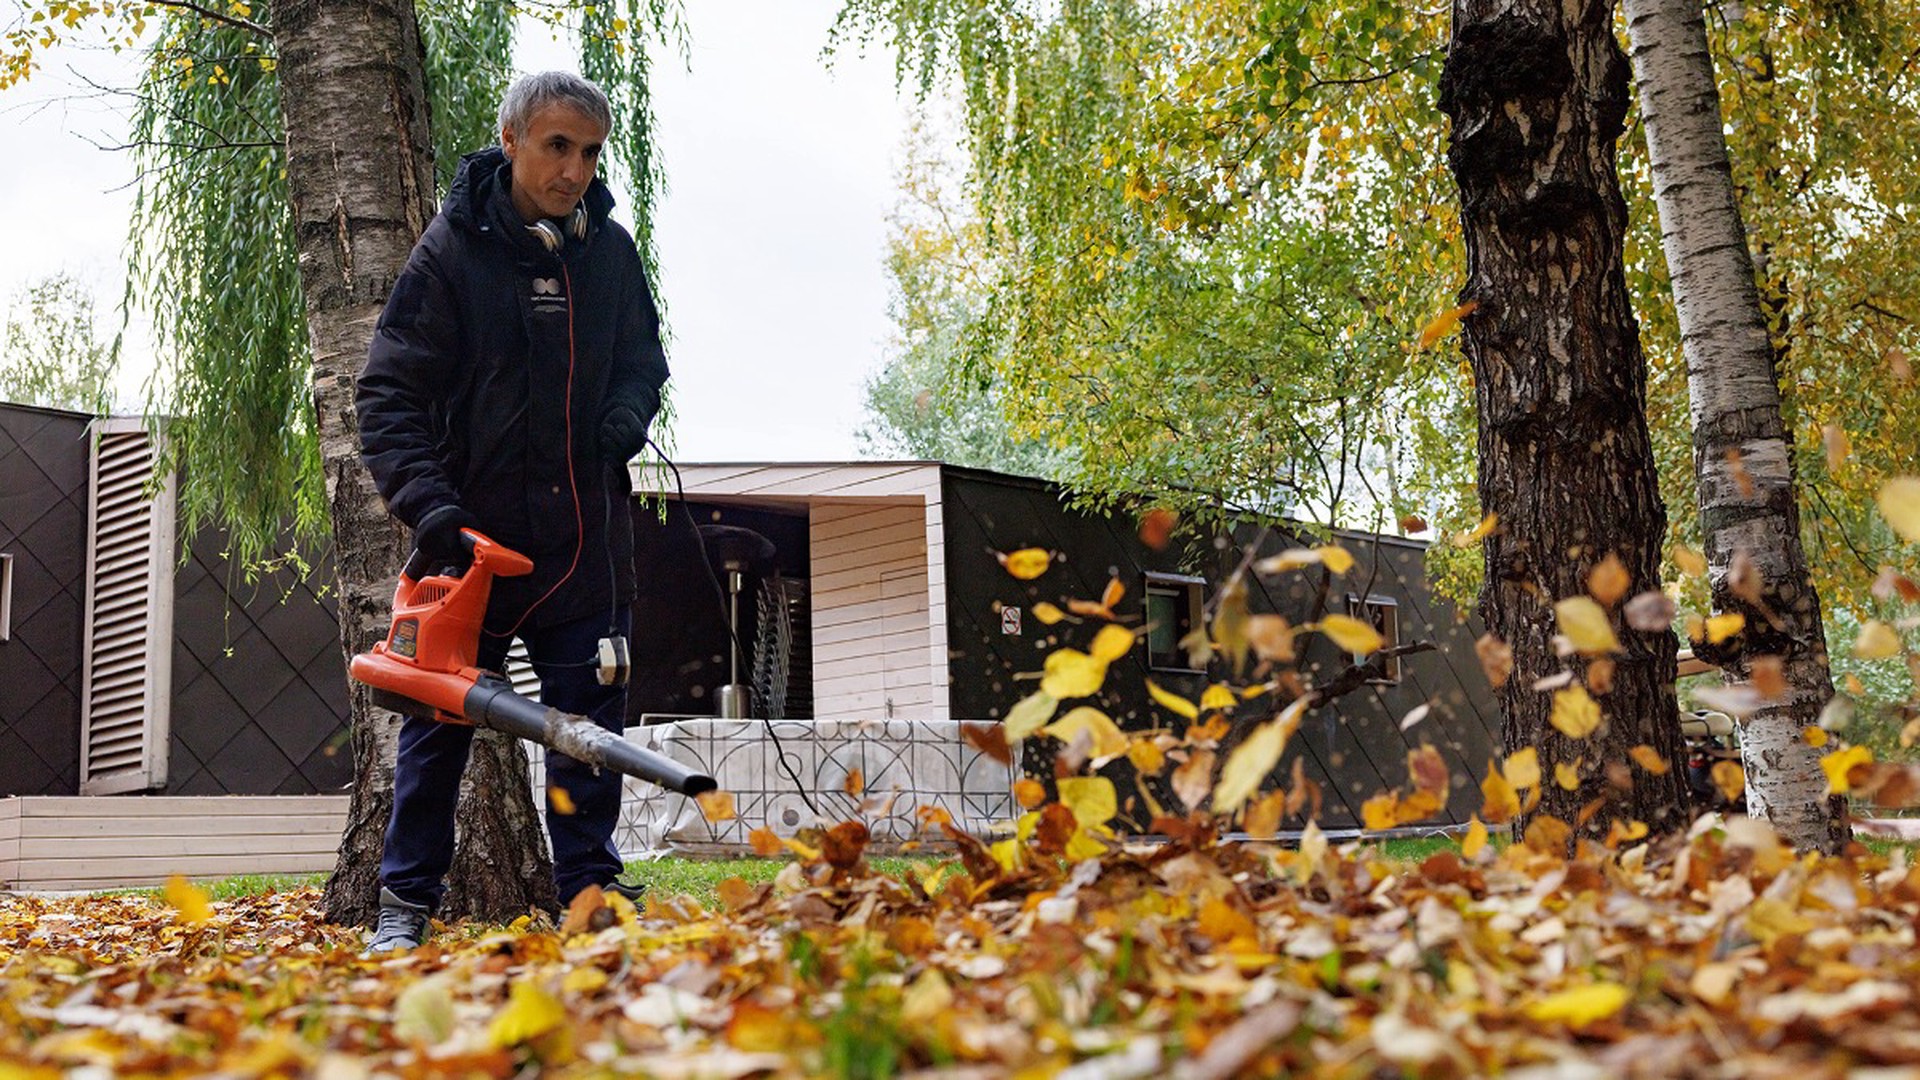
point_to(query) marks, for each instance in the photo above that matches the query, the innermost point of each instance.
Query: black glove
(622, 435)
(438, 537)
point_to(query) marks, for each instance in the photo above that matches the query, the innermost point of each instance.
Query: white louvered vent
(520, 671)
(126, 682)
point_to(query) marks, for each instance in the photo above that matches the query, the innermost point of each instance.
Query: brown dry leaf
(1193, 779)
(1029, 792)
(843, 844)
(1271, 637)
(1412, 524)
(1893, 787)
(1649, 759)
(1769, 675)
(585, 910)
(1650, 612)
(715, 806)
(855, 783)
(1600, 675)
(1891, 583)
(1156, 527)
(1833, 439)
(1609, 580)
(765, 842)
(989, 739)
(1496, 659)
(1737, 468)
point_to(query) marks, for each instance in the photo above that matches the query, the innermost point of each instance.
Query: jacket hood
(484, 176)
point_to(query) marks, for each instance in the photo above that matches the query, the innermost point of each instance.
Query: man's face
(554, 161)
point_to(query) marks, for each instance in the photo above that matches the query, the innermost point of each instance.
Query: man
(512, 376)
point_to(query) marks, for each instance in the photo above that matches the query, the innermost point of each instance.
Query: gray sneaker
(402, 926)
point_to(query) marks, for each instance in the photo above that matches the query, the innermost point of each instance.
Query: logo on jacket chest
(547, 296)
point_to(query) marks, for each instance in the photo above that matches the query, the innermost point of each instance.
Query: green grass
(701, 878)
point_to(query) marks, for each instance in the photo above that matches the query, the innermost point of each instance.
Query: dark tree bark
(1537, 92)
(360, 170)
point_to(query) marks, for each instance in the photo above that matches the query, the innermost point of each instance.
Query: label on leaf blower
(406, 632)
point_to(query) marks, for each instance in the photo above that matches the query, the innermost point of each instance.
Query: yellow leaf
(1115, 590)
(1899, 501)
(1103, 735)
(1071, 673)
(1567, 775)
(530, 1013)
(1091, 798)
(423, 1013)
(1351, 634)
(561, 799)
(1833, 438)
(1500, 801)
(1172, 702)
(1377, 813)
(1111, 643)
(1649, 759)
(1581, 1005)
(1522, 768)
(1575, 713)
(1877, 641)
(1690, 562)
(1730, 778)
(1585, 624)
(1147, 757)
(1476, 840)
(188, 899)
(1217, 697)
(1290, 559)
(1027, 563)
(1445, 322)
(1335, 558)
(1027, 715)
(716, 806)
(1047, 613)
(1839, 763)
(1725, 625)
(1480, 532)
(1816, 736)
(1254, 759)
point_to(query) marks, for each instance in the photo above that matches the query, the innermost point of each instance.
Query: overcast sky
(771, 236)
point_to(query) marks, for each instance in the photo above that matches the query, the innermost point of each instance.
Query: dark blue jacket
(490, 372)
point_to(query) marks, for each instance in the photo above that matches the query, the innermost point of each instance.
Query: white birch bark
(1742, 452)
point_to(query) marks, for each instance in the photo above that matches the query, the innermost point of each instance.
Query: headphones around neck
(550, 235)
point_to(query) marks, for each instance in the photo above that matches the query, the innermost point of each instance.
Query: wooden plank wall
(878, 592)
(79, 842)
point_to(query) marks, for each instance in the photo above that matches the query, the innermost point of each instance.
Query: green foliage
(49, 352)
(213, 254)
(1215, 227)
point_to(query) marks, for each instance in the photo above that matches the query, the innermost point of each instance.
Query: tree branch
(235, 21)
(1355, 675)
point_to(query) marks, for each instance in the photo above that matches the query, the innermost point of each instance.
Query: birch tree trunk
(359, 167)
(1537, 93)
(1742, 456)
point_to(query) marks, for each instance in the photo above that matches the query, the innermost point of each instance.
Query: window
(6, 597)
(1383, 614)
(1173, 605)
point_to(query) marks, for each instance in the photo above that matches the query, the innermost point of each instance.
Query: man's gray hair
(531, 93)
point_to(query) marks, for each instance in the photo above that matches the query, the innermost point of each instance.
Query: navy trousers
(432, 756)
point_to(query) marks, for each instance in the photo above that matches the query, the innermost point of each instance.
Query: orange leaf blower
(426, 668)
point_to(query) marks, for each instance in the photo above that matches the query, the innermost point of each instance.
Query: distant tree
(923, 403)
(51, 353)
(1743, 452)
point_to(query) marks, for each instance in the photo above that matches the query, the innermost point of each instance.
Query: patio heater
(737, 552)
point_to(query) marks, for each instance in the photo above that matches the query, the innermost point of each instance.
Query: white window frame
(6, 596)
(1360, 607)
